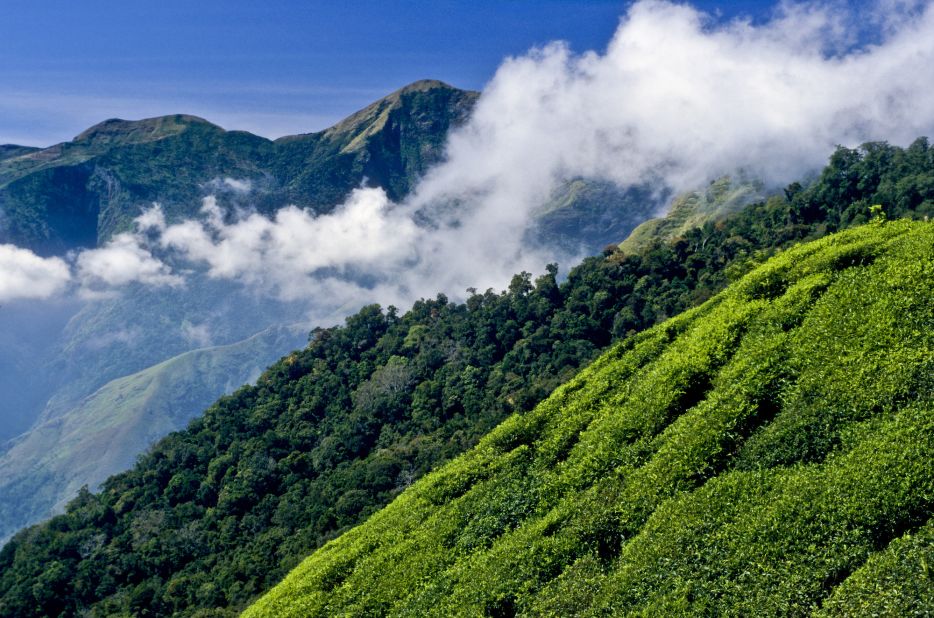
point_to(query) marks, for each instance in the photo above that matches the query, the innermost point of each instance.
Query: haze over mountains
(214, 515)
(86, 196)
(150, 266)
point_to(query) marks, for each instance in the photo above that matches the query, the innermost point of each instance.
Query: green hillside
(105, 433)
(722, 197)
(768, 453)
(215, 515)
(79, 193)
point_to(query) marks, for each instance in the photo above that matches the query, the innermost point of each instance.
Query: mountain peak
(421, 86)
(119, 131)
(356, 128)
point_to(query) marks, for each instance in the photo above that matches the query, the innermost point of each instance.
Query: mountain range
(782, 390)
(79, 194)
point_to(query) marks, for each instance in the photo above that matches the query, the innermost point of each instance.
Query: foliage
(216, 514)
(106, 431)
(79, 193)
(640, 487)
(720, 198)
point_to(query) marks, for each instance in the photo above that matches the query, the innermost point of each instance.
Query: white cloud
(279, 252)
(675, 100)
(151, 219)
(124, 337)
(121, 261)
(679, 99)
(25, 275)
(198, 335)
(239, 186)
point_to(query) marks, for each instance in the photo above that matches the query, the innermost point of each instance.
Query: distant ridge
(80, 193)
(116, 131)
(8, 151)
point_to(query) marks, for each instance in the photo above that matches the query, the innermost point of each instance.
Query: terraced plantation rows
(768, 453)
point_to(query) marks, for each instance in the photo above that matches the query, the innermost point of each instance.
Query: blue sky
(271, 68)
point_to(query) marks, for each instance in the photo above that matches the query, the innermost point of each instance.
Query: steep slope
(107, 431)
(390, 143)
(218, 513)
(723, 197)
(79, 193)
(744, 458)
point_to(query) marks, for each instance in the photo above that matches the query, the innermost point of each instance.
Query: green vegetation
(754, 456)
(104, 433)
(80, 193)
(215, 515)
(722, 197)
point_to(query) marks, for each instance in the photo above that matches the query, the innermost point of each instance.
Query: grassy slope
(13, 150)
(722, 197)
(106, 432)
(769, 453)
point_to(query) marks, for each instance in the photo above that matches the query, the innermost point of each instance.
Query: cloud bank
(121, 261)
(678, 98)
(25, 275)
(675, 100)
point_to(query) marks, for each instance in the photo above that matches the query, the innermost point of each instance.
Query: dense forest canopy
(745, 458)
(217, 514)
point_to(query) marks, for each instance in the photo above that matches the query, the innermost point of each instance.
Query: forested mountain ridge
(218, 513)
(79, 193)
(770, 453)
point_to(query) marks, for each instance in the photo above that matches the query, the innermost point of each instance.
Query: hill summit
(115, 131)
